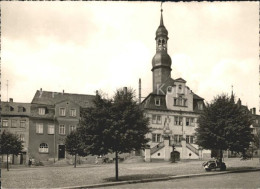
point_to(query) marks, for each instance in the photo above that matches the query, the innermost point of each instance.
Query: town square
(109, 94)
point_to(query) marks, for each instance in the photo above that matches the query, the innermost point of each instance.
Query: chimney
(140, 91)
(96, 92)
(41, 89)
(125, 90)
(253, 111)
(11, 100)
(62, 91)
(239, 102)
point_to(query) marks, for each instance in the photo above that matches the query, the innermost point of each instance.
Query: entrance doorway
(61, 153)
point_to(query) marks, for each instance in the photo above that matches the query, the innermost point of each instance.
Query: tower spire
(232, 95)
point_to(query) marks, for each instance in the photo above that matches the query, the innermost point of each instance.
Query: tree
(10, 144)
(115, 125)
(224, 125)
(74, 146)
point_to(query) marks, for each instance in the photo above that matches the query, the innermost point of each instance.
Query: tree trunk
(116, 166)
(75, 162)
(7, 165)
(221, 156)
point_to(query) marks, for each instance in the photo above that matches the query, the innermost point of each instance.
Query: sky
(81, 47)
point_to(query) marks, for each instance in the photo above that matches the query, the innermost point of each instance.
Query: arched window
(43, 148)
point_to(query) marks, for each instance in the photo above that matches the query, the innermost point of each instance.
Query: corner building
(173, 109)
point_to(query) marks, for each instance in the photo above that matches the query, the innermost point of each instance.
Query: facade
(173, 109)
(255, 131)
(53, 116)
(15, 119)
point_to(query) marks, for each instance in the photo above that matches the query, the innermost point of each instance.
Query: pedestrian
(30, 162)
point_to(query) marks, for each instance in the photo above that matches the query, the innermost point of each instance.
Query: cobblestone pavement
(54, 177)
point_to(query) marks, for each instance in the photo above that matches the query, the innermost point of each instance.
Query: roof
(149, 102)
(15, 108)
(51, 98)
(196, 97)
(180, 80)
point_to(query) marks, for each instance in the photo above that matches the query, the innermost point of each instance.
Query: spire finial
(161, 22)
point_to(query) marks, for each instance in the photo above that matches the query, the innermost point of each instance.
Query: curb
(158, 179)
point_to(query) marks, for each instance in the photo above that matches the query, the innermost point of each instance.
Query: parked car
(214, 164)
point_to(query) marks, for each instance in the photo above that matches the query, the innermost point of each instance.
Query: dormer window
(11, 108)
(157, 102)
(21, 109)
(41, 111)
(180, 87)
(200, 106)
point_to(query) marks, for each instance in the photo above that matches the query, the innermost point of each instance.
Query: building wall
(37, 138)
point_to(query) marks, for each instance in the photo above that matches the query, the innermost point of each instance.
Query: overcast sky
(80, 47)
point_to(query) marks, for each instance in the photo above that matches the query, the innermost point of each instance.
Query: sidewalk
(160, 179)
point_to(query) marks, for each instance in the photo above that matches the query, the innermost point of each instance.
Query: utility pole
(7, 91)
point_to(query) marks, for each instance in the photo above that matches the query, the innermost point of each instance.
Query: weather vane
(161, 6)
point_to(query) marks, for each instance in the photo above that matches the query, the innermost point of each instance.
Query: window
(73, 112)
(189, 121)
(153, 137)
(191, 139)
(177, 139)
(39, 128)
(157, 102)
(21, 109)
(50, 129)
(62, 129)
(200, 106)
(180, 87)
(180, 138)
(62, 112)
(41, 111)
(5, 123)
(22, 123)
(188, 139)
(22, 137)
(72, 128)
(180, 101)
(13, 123)
(43, 148)
(256, 121)
(178, 120)
(156, 119)
(156, 137)
(11, 108)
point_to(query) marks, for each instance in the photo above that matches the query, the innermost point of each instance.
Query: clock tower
(161, 61)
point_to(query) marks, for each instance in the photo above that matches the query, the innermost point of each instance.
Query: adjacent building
(53, 116)
(173, 109)
(15, 119)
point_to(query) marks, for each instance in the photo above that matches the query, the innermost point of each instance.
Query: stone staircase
(157, 147)
(192, 148)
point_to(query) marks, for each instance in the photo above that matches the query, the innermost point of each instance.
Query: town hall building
(173, 109)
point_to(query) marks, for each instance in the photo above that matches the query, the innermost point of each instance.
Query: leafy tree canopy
(73, 144)
(114, 125)
(224, 125)
(10, 143)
